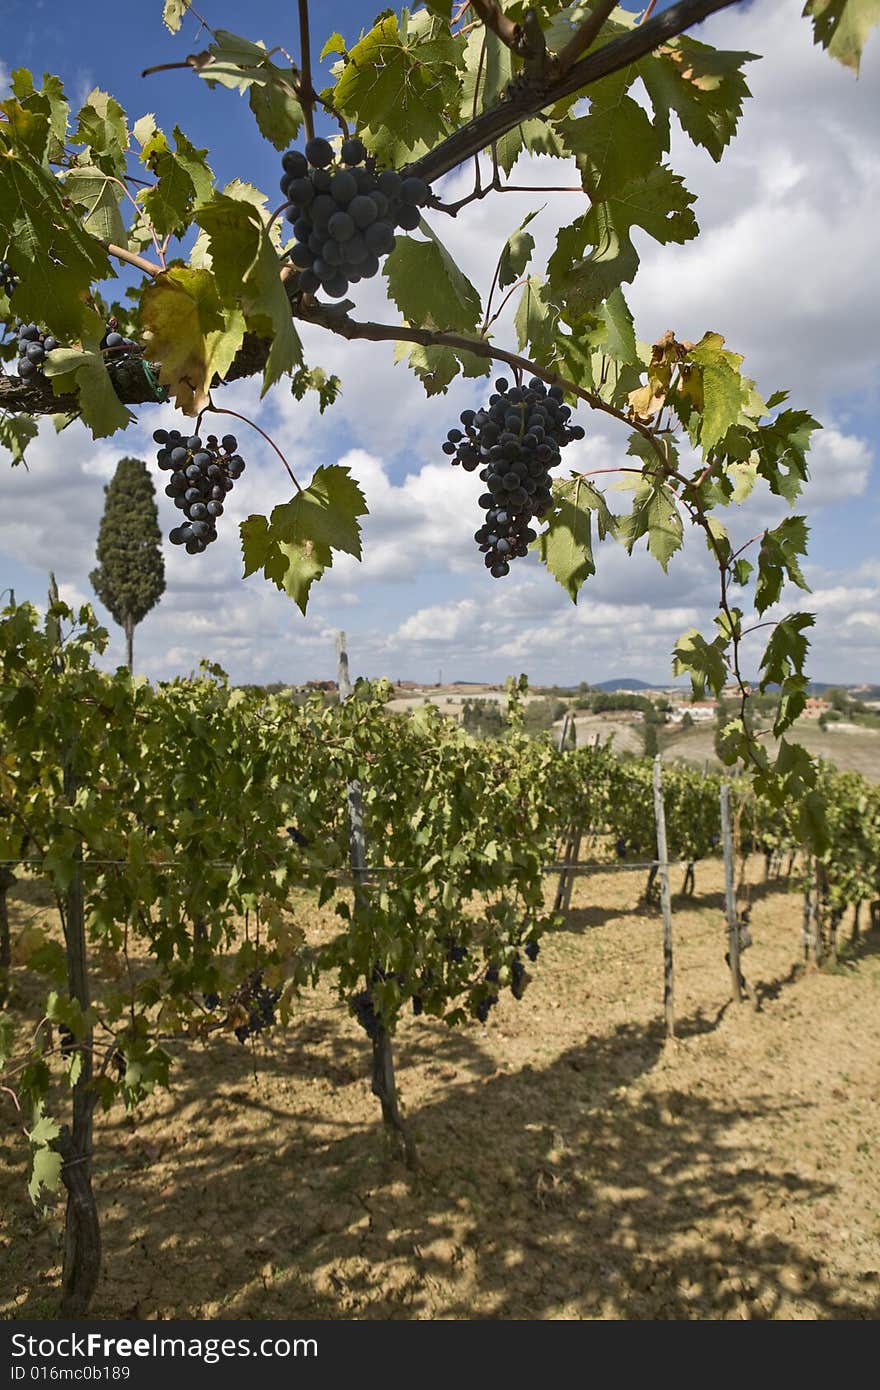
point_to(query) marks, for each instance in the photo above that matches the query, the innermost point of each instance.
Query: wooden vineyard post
(565, 731)
(730, 896)
(812, 943)
(665, 902)
(81, 1263)
(570, 853)
(384, 1085)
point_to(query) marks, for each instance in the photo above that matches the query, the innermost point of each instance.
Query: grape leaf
(842, 27)
(173, 12)
(50, 99)
(655, 515)
(84, 371)
(296, 544)
(704, 87)
(245, 266)
(719, 386)
(536, 320)
(57, 261)
(781, 447)
(437, 366)
(184, 179)
(612, 331)
(325, 512)
(27, 129)
(614, 145)
(566, 547)
(778, 560)
(277, 110)
(244, 66)
(98, 196)
(327, 388)
(397, 82)
(516, 252)
(583, 277)
(16, 432)
(744, 477)
(335, 44)
(102, 126)
(703, 661)
(428, 287)
(189, 331)
(45, 1163)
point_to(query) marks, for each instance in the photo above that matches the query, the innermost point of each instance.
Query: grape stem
(583, 37)
(222, 410)
(142, 215)
(494, 18)
(307, 93)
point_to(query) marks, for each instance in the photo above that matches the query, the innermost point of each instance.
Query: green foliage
(296, 544)
(428, 288)
(843, 26)
(398, 83)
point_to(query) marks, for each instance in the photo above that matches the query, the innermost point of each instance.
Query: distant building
(700, 711)
(815, 707)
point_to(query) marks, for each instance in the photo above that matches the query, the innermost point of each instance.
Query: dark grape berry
(319, 153)
(515, 441)
(353, 152)
(296, 166)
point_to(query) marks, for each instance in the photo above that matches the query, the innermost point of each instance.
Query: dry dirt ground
(574, 1164)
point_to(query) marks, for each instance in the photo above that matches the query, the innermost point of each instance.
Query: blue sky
(785, 267)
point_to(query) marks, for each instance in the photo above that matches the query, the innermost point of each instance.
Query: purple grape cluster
(8, 278)
(201, 476)
(344, 214)
(33, 344)
(514, 441)
(258, 1000)
(365, 1012)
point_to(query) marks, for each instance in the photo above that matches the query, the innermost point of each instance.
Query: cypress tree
(130, 578)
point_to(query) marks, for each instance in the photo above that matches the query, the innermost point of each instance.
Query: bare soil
(574, 1163)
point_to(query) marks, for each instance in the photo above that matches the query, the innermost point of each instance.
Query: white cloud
(840, 465)
(440, 623)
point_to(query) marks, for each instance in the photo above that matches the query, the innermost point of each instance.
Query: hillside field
(574, 1164)
(853, 749)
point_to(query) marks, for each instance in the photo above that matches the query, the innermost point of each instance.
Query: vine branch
(529, 97)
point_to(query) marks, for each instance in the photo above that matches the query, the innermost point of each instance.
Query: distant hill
(623, 683)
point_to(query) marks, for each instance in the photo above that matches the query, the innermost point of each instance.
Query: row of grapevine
(189, 819)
